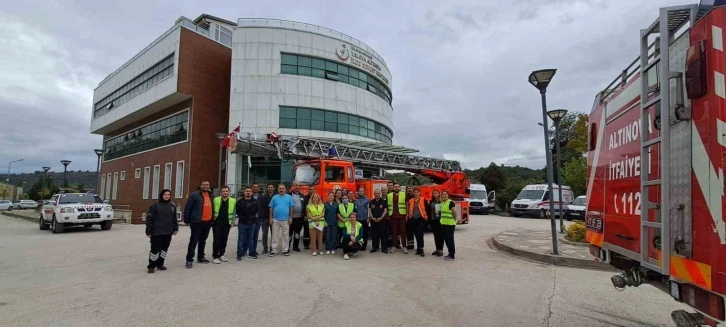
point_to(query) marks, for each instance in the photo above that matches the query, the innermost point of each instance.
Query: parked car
(576, 210)
(75, 209)
(25, 204)
(6, 205)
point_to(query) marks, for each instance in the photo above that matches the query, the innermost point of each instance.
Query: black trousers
(350, 249)
(220, 234)
(379, 235)
(295, 229)
(200, 233)
(449, 238)
(418, 225)
(409, 234)
(306, 237)
(438, 234)
(157, 254)
(364, 231)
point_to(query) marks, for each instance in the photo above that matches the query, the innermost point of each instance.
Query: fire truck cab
(657, 149)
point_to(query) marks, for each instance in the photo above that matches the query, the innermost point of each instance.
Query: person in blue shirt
(361, 210)
(280, 219)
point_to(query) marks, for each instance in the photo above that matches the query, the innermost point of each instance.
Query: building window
(155, 188)
(137, 85)
(147, 178)
(179, 182)
(321, 68)
(331, 121)
(137, 173)
(114, 192)
(160, 133)
(123, 175)
(167, 176)
(103, 185)
(223, 35)
(108, 187)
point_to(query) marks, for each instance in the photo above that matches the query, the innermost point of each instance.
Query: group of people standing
(393, 219)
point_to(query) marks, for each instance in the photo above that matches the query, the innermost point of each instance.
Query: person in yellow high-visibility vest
(448, 224)
(397, 200)
(316, 218)
(345, 210)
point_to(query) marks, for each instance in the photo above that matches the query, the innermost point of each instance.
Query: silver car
(25, 204)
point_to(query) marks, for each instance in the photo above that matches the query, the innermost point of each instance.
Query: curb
(12, 215)
(552, 259)
(581, 244)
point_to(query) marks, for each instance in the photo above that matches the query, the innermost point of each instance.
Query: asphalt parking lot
(98, 278)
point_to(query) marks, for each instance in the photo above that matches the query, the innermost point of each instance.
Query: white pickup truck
(75, 209)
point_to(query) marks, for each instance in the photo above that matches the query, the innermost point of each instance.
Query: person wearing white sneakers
(316, 218)
(352, 237)
(223, 208)
(332, 237)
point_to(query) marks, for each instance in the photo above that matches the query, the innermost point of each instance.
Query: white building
(305, 80)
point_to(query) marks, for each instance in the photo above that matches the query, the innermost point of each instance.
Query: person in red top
(417, 216)
(198, 215)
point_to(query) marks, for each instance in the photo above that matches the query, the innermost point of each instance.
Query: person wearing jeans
(331, 224)
(161, 225)
(362, 211)
(435, 223)
(198, 215)
(247, 208)
(448, 224)
(259, 218)
(224, 208)
(352, 237)
(280, 218)
(298, 216)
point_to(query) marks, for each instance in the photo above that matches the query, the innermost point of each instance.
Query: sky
(459, 68)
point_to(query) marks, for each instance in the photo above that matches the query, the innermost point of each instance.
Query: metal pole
(7, 180)
(45, 184)
(550, 175)
(248, 169)
(219, 172)
(65, 176)
(559, 173)
(98, 174)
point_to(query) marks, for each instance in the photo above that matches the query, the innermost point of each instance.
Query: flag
(249, 161)
(231, 139)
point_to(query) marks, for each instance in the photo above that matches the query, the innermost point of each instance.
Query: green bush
(576, 232)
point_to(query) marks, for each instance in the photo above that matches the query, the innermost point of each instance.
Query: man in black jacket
(161, 224)
(198, 215)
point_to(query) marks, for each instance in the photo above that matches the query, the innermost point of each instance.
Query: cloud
(459, 69)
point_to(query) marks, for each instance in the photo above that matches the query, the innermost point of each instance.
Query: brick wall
(204, 73)
(130, 190)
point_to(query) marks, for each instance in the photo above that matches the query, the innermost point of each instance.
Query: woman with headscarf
(161, 225)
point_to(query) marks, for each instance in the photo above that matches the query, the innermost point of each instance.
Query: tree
(578, 143)
(42, 189)
(575, 175)
(493, 178)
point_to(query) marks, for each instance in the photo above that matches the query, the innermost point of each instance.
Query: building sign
(360, 58)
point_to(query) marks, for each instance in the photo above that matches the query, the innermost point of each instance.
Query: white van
(534, 200)
(479, 200)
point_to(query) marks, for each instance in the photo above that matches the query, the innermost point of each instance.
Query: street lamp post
(7, 178)
(556, 116)
(45, 183)
(65, 172)
(99, 153)
(540, 79)
(220, 137)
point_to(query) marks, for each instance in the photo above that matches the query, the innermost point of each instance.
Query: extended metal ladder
(366, 153)
(670, 20)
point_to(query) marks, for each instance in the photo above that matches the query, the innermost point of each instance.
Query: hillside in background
(84, 179)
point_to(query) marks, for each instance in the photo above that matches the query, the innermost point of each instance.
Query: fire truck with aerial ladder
(326, 165)
(656, 160)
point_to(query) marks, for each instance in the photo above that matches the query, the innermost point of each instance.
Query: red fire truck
(657, 138)
(326, 165)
